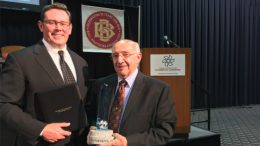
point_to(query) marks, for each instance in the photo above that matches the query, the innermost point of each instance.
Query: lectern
(173, 66)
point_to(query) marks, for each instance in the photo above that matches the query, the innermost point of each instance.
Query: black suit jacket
(150, 114)
(26, 72)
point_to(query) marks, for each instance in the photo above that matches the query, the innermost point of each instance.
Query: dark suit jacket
(150, 114)
(26, 72)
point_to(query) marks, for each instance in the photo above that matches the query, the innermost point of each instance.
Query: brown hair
(59, 6)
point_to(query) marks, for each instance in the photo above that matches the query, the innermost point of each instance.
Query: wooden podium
(180, 84)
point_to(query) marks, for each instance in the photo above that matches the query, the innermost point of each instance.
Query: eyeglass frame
(54, 23)
(123, 55)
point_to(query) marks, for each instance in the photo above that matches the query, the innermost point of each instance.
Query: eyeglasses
(54, 23)
(123, 55)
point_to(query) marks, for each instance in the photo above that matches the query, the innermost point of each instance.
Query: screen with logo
(33, 2)
(24, 5)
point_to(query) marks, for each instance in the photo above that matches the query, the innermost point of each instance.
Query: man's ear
(70, 28)
(40, 25)
(139, 56)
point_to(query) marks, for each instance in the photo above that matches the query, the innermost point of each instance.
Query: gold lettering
(104, 30)
(63, 109)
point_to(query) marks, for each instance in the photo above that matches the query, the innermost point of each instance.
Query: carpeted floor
(238, 126)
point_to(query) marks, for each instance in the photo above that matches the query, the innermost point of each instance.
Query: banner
(101, 28)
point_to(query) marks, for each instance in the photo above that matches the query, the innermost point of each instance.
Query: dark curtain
(18, 27)
(223, 35)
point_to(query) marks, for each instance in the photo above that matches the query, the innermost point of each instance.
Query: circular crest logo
(103, 29)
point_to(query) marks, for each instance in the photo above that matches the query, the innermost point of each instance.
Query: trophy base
(100, 136)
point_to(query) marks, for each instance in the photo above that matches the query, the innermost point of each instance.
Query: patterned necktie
(67, 74)
(117, 107)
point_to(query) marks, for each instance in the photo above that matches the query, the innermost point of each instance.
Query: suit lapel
(134, 95)
(45, 60)
(81, 72)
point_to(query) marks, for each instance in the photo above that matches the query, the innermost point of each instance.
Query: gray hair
(134, 44)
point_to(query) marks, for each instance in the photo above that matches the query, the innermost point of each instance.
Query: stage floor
(238, 126)
(196, 137)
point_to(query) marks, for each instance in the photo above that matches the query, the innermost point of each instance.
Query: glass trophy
(103, 107)
(102, 134)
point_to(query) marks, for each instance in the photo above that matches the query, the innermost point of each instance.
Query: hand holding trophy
(101, 134)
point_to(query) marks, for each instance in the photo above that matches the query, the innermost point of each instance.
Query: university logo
(103, 29)
(168, 60)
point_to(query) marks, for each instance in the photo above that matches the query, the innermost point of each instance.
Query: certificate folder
(62, 104)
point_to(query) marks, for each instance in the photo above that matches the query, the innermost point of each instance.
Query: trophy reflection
(102, 134)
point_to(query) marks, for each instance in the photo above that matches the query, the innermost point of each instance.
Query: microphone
(170, 43)
(166, 40)
(174, 44)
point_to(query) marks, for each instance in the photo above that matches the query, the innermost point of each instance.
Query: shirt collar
(51, 48)
(130, 80)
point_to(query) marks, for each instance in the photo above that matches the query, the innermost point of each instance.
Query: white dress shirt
(56, 58)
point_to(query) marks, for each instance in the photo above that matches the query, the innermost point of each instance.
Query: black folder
(62, 104)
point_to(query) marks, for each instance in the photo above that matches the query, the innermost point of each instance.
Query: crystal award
(102, 134)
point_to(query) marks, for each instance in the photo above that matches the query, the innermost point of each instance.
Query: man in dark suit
(37, 68)
(148, 116)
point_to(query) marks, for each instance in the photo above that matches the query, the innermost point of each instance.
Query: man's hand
(118, 141)
(54, 132)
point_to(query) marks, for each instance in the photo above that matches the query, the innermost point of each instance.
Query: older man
(148, 114)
